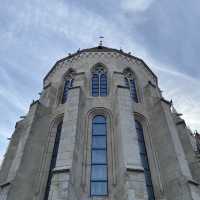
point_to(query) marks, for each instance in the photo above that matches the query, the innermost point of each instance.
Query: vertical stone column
(169, 149)
(25, 176)
(184, 134)
(11, 153)
(15, 153)
(128, 132)
(19, 151)
(133, 170)
(61, 177)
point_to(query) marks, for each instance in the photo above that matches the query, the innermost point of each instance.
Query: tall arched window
(67, 85)
(144, 159)
(99, 81)
(53, 159)
(99, 165)
(130, 82)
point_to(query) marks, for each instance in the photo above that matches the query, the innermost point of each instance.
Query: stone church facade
(101, 130)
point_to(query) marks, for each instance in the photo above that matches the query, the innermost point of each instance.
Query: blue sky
(35, 34)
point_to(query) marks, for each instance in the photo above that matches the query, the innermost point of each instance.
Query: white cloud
(136, 5)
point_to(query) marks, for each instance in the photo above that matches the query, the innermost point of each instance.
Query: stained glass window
(53, 159)
(99, 82)
(99, 171)
(144, 160)
(68, 84)
(132, 86)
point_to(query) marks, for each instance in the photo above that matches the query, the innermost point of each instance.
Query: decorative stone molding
(2, 185)
(67, 62)
(58, 170)
(111, 148)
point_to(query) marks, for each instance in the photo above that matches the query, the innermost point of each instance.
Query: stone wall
(171, 157)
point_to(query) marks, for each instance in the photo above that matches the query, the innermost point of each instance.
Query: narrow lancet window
(131, 84)
(67, 85)
(53, 159)
(99, 81)
(144, 159)
(99, 165)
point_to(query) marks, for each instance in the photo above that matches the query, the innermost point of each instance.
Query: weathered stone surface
(173, 162)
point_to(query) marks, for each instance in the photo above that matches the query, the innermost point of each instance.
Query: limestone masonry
(101, 130)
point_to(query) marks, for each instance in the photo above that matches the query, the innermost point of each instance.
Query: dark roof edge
(101, 49)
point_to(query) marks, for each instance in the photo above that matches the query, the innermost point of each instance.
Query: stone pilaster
(133, 169)
(61, 178)
(28, 155)
(176, 176)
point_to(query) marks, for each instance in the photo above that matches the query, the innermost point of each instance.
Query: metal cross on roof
(101, 41)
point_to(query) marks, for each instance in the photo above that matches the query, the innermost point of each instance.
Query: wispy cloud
(136, 5)
(180, 88)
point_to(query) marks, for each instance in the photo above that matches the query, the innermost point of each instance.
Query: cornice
(99, 52)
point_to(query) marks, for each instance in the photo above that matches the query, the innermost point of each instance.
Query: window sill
(61, 169)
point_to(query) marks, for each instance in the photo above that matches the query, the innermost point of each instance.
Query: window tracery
(99, 81)
(131, 84)
(68, 83)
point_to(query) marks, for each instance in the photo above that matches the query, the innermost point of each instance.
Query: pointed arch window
(99, 165)
(53, 159)
(67, 85)
(144, 159)
(131, 84)
(99, 81)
